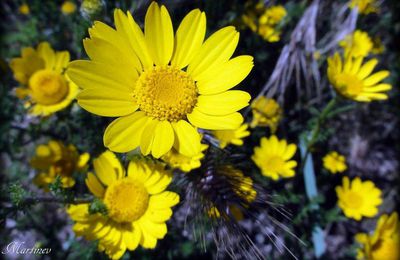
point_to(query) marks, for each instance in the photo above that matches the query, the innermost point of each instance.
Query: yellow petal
(166, 199)
(226, 76)
(147, 138)
(224, 103)
(163, 139)
(187, 139)
(378, 88)
(61, 61)
(216, 50)
(157, 230)
(376, 77)
(94, 185)
(367, 68)
(199, 119)
(107, 102)
(189, 38)
(105, 169)
(89, 74)
(132, 239)
(123, 134)
(47, 54)
(159, 34)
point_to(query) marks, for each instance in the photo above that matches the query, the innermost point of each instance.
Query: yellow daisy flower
(364, 6)
(55, 159)
(243, 187)
(137, 205)
(234, 137)
(383, 243)
(266, 112)
(68, 7)
(358, 199)
(353, 80)
(176, 160)
(159, 86)
(24, 9)
(41, 75)
(334, 162)
(273, 158)
(357, 44)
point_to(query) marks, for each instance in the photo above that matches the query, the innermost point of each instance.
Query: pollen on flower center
(166, 93)
(349, 85)
(48, 87)
(354, 200)
(126, 200)
(275, 164)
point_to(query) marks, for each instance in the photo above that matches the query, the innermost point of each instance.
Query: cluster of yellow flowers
(67, 8)
(265, 21)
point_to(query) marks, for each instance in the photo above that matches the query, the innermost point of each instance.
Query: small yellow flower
(273, 15)
(137, 205)
(383, 243)
(273, 158)
(68, 7)
(266, 112)
(55, 159)
(234, 137)
(90, 8)
(364, 6)
(176, 160)
(334, 162)
(160, 86)
(41, 75)
(243, 187)
(357, 44)
(358, 199)
(24, 9)
(353, 80)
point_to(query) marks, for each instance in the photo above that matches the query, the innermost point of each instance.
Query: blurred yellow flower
(364, 6)
(55, 159)
(68, 7)
(383, 243)
(273, 158)
(176, 160)
(24, 9)
(273, 15)
(353, 80)
(137, 205)
(90, 8)
(266, 112)
(358, 199)
(243, 187)
(357, 44)
(234, 137)
(334, 162)
(160, 103)
(43, 83)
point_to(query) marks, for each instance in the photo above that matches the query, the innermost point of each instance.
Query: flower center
(48, 87)
(166, 93)
(349, 85)
(354, 200)
(275, 164)
(126, 200)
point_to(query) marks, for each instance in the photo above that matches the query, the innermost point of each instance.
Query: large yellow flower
(234, 136)
(334, 162)
(273, 158)
(41, 75)
(352, 79)
(364, 6)
(383, 243)
(358, 199)
(159, 86)
(55, 159)
(357, 44)
(137, 205)
(266, 112)
(176, 160)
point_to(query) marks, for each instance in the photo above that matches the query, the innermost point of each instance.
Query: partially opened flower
(358, 199)
(353, 80)
(185, 163)
(161, 87)
(334, 162)
(274, 156)
(137, 205)
(357, 44)
(55, 159)
(43, 82)
(234, 136)
(383, 243)
(266, 112)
